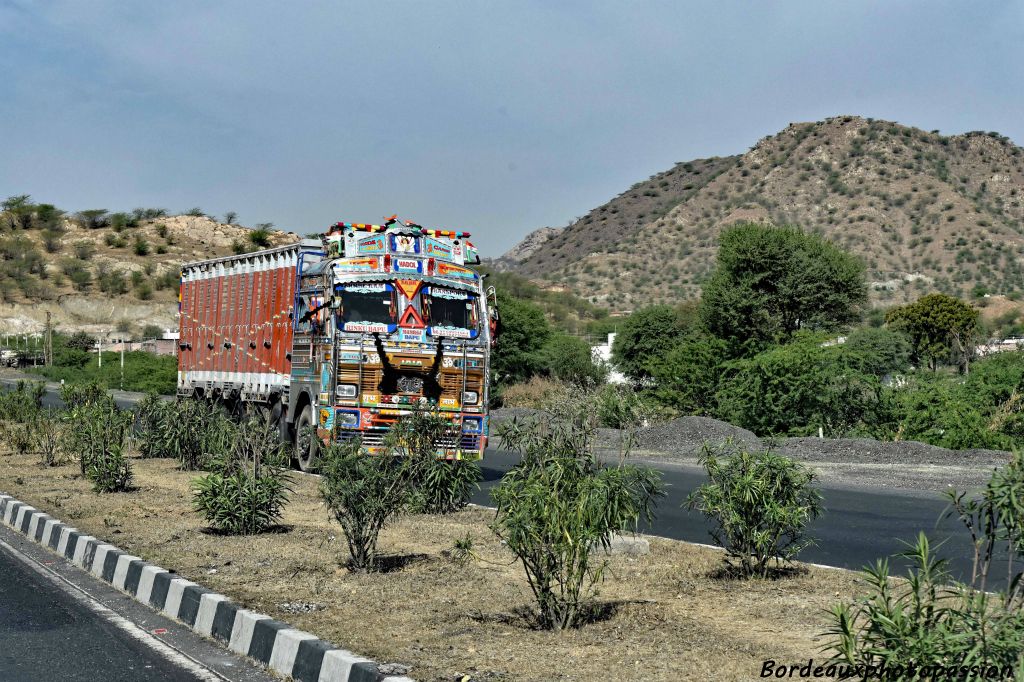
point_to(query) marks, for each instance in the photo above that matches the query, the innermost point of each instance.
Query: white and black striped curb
(277, 645)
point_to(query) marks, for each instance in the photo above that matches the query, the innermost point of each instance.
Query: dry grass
(669, 619)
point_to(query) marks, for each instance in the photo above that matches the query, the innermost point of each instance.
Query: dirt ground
(669, 618)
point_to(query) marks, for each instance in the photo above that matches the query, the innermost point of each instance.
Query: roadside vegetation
(75, 363)
(783, 344)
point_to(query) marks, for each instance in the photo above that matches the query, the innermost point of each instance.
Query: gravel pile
(868, 451)
(686, 436)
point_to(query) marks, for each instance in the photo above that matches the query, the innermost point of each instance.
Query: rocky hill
(105, 273)
(925, 212)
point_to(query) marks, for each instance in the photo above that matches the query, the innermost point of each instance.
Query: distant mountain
(925, 212)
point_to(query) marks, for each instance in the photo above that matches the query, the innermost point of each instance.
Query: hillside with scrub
(100, 271)
(924, 211)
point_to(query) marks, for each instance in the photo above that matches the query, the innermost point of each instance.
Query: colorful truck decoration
(345, 335)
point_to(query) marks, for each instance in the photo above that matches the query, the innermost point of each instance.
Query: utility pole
(48, 342)
(99, 351)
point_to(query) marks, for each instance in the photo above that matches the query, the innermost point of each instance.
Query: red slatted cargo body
(236, 326)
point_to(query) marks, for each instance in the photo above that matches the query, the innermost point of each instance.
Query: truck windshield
(368, 303)
(450, 309)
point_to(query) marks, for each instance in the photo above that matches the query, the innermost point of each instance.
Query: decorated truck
(342, 336)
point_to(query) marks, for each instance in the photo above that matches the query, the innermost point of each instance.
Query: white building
(602, 353)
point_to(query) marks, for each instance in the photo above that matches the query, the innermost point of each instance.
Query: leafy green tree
(797, 388)
(568, 358)
(940, 327)
(877, 351)
(770, 282)
(93, 218)
(937, 410)
(646, 335)
(524, 332)
(686, 378)
(18, 211)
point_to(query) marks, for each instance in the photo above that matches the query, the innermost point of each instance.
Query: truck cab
(390, 322)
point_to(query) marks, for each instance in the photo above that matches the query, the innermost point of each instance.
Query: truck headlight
(470, 397)
(348, 420)
(347, 390)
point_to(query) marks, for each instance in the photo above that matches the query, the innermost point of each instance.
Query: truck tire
(306, 443)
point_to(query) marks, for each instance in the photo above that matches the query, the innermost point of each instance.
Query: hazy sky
(493, 117)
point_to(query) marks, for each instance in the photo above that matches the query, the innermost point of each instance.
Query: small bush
(239, 503)
(759, 505)
(49, 435)
(260, 235)
(196, 433)
(439, 486)
(99, 434)
(560, 503)
(141, 246)
(248, 492)
(620, 407)
(363, 493)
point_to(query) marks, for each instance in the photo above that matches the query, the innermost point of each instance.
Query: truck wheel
(306, 443)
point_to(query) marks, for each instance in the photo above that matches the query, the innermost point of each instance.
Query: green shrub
(534, 393)
(558, 505)
(929, 619)
(759, 505)
(99, 433)
(248, 492)
(438, 486)
(363, 493)
(240, 503)
(260, 236)
(48, 432)
(620, 407)
(196, 433)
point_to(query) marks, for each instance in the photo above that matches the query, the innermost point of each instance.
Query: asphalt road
(857, 528)
(46, 636)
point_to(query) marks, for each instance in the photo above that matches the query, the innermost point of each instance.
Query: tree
(94, 218)
(939, 327)
(524, 332)
(568, 358)
(17, 211)
(796, 388)
(80, 341)
(646, 335)
(686, 377)
(260, 235)
(152, 331)
(878, 352)
(770, 282)
(230, 217)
